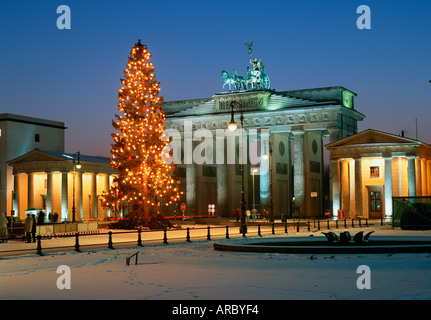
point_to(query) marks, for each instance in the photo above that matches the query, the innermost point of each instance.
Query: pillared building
(36, 174)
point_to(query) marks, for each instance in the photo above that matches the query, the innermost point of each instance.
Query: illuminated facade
(19, 135)
(35, 172)
(298, 121)
(371, 167)
(49, 180)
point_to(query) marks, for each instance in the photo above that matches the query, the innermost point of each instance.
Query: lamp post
(254, 196)
(75, 166)
(232, 126)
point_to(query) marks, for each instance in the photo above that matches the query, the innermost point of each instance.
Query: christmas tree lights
(144, 181)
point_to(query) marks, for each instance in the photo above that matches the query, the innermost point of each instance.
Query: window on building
(37, 137)
(374, 172)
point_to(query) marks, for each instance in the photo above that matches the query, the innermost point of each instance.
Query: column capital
(297, 131)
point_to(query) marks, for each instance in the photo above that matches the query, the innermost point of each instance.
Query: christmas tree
(144, 182)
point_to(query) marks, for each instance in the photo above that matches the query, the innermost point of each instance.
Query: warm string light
(143, 177)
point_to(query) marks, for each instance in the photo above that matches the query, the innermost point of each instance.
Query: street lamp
(253, 172)
(254, 200)
(232, 126)
(75, 166)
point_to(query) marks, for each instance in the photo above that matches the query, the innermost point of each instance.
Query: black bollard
(345, 223)
(308, 225)
(188, 235)
(165, 237)
(336, 224)
(318, 224)
(273, 228)
(258, 230)
(353, 224)
(227, 232)
(297, 227)
(366, 222)
(110, 240)
(209, 234)
(244, 228)
(139, 238)
(285, 227)
(360, 223)
(39, 245)
(328, 224)
(77, 242)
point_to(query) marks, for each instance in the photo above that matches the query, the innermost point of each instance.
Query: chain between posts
(208, 237)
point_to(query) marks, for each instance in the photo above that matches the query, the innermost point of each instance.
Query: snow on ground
(195, 271)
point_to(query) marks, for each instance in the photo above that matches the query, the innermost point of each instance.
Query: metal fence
(200, 233)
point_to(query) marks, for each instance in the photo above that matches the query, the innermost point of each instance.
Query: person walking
(3, 227)
(33, 228)
(28, 227)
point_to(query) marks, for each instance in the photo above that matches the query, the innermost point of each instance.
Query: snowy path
(195, 271)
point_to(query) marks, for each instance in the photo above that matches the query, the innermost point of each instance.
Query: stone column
(358, 188)
(222, 191)
(397, 182)
(299, 171)
(108, 211)
(191, 189)
(16, 194)
(93, 192)
(79, 207)
(424, 177)
(30, 190)
(266, 174)
(418, 168)
(334, 186)
(49, 193)
(64, 196)
(388, 186)
(412, 176)
(345, 187)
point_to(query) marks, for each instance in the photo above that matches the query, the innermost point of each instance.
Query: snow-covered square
(195, 271)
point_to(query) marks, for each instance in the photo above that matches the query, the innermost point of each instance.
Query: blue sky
(74, 75)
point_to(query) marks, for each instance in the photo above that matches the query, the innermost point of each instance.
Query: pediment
(35, 156)
(372, 137)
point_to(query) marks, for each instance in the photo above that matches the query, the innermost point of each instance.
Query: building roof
(373, 143)
(272, 101)
(31, 120)
(43, 160)
(82, 157)
(373, 137)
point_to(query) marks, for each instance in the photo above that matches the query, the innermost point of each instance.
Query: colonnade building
(36, 173)
(366, 169)
(295, 122)
(371, 167)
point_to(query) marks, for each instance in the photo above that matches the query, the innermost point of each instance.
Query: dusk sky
(74, 75)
